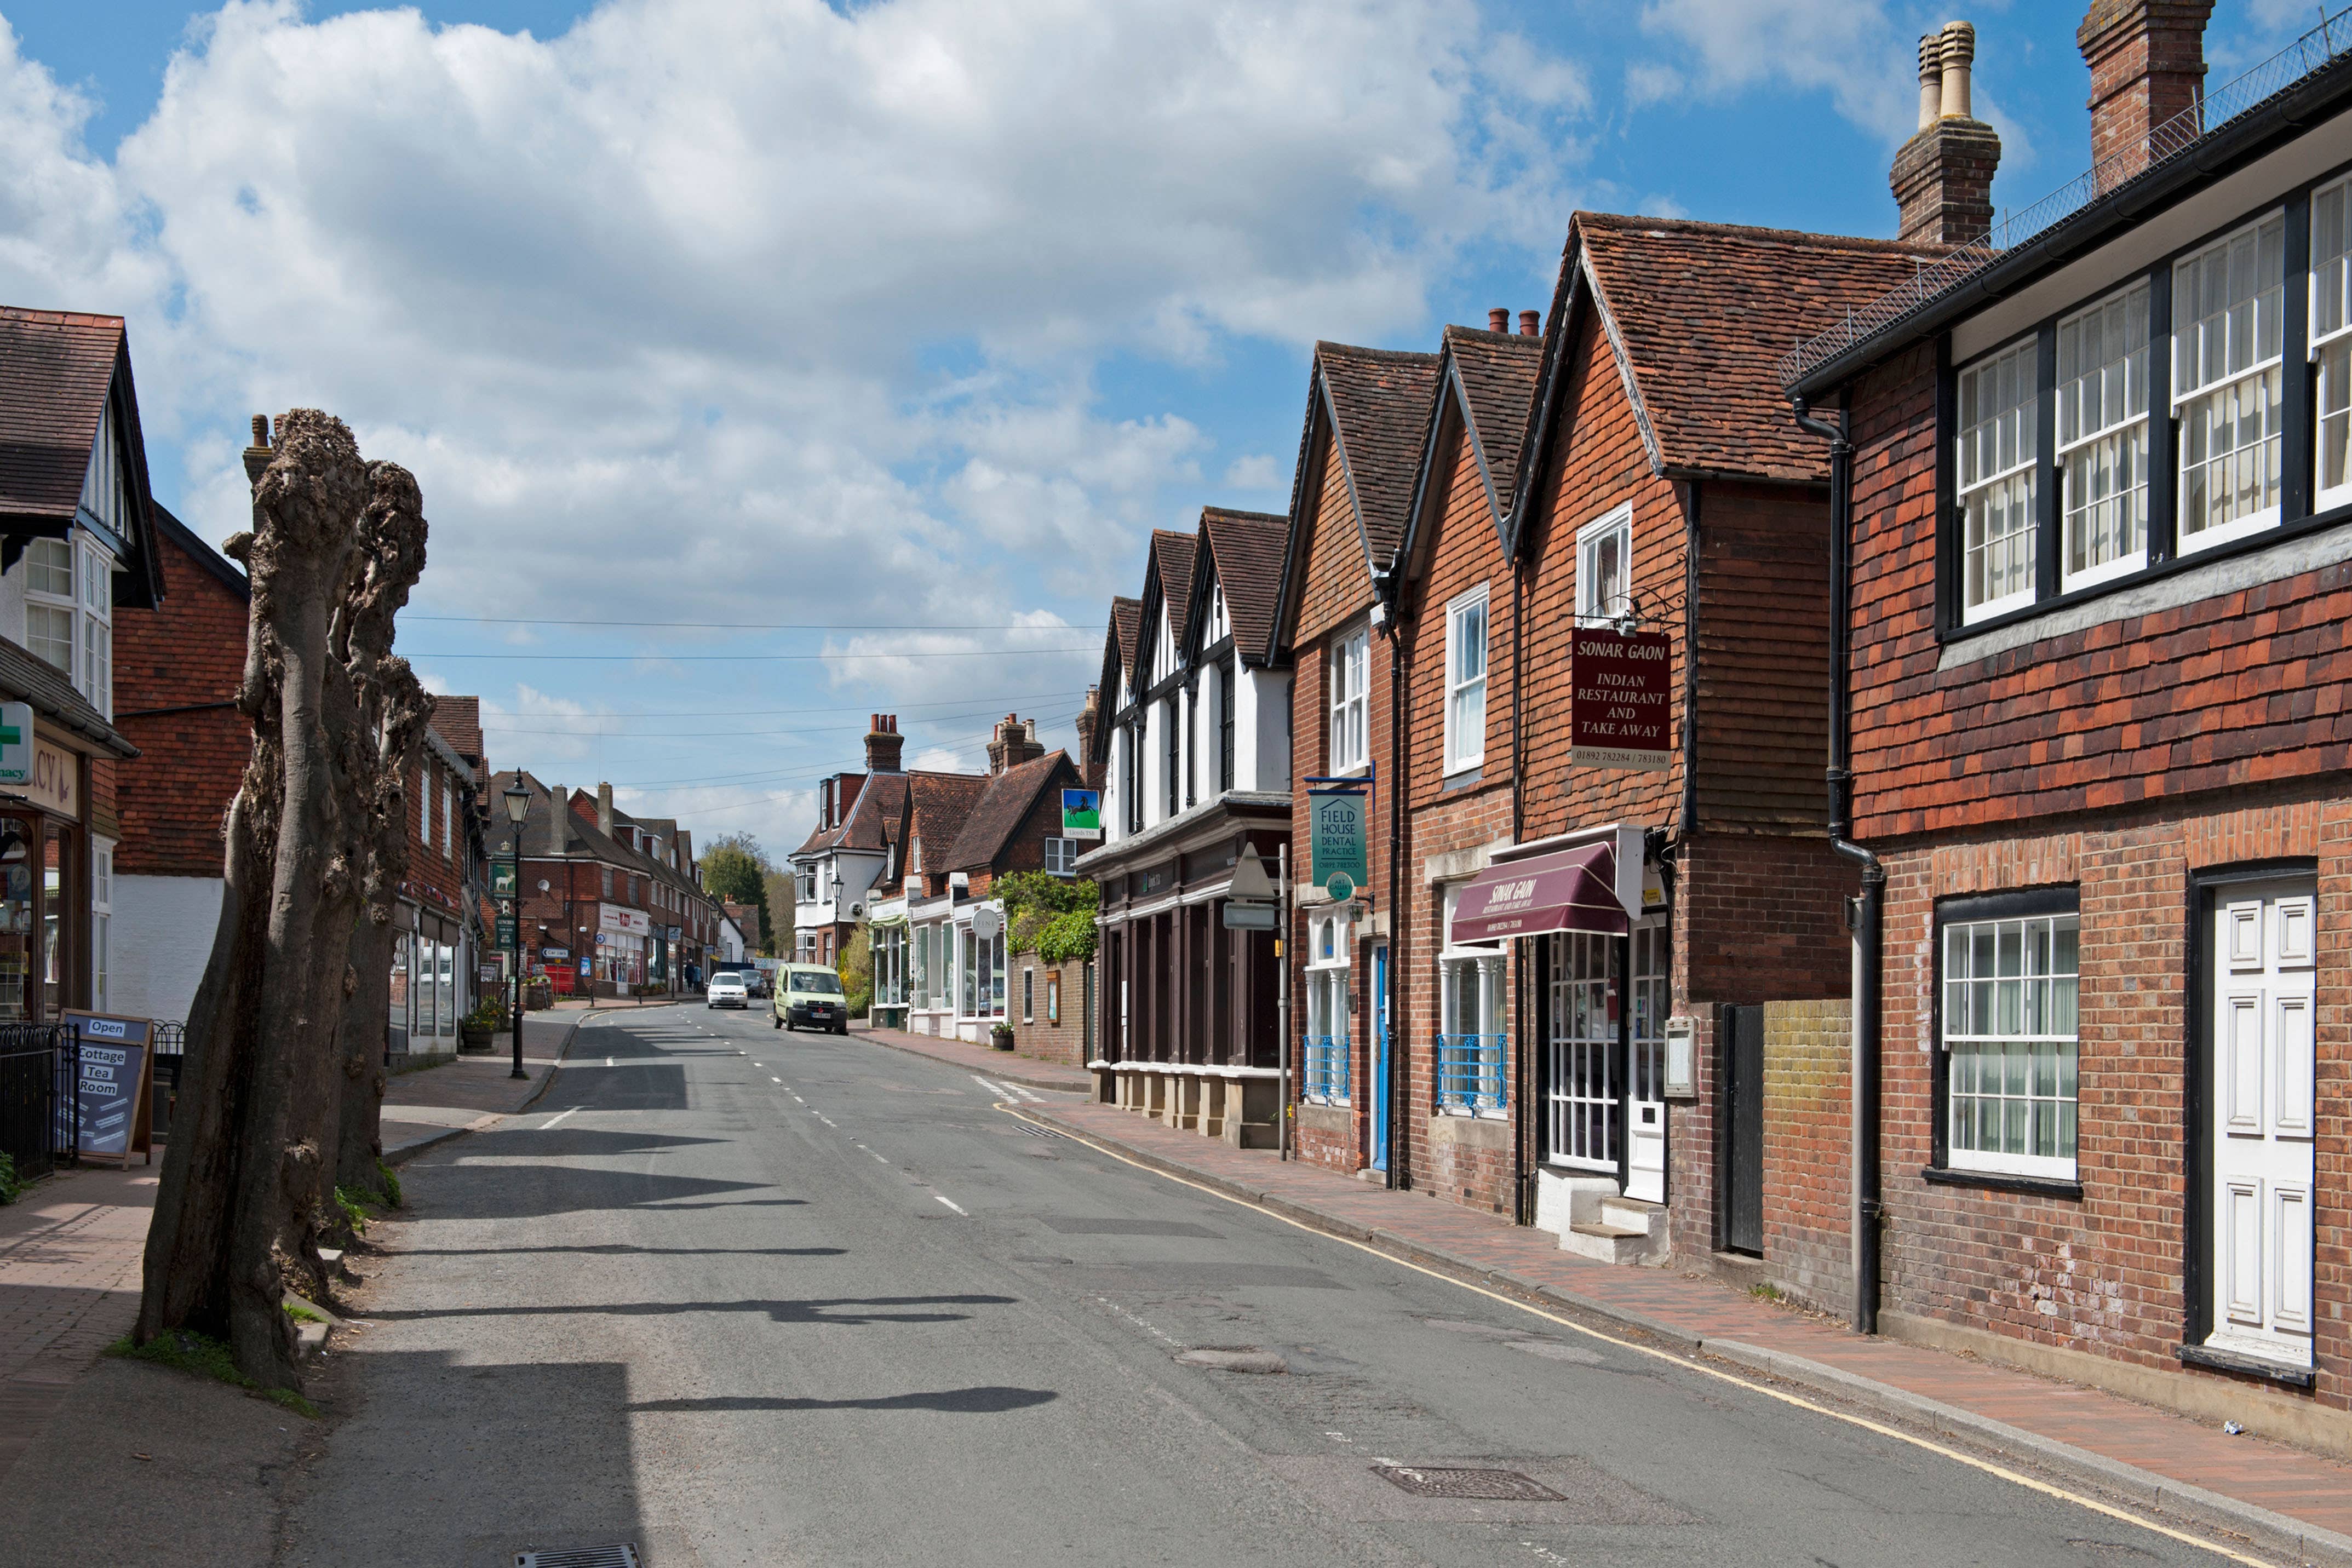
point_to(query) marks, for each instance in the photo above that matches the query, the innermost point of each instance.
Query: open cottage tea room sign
(1621, 711)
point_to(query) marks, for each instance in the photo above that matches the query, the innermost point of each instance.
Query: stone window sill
(1994, 1181)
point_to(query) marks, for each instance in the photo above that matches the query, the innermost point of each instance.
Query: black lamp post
(517, 800)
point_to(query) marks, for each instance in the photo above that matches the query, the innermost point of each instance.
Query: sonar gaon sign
(1621, 711)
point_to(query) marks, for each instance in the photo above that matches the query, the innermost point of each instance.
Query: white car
(726, 991)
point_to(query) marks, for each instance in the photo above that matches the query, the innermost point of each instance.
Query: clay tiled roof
(943, 803)
(27, 677)
(873, 821)
(997, 815)
(1702, 313)
(1127, 625)
(1498, 373)
(56, 367)
(459, 722)
(1379, 405)
(1245, 550)
(1171, 558)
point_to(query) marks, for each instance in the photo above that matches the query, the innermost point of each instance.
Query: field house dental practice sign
(111, 1093)
(1620, 709)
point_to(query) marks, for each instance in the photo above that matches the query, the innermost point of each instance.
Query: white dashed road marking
(559, 1117)
(951, 1204)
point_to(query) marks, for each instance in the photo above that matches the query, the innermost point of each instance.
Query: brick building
(599, 891)
(177, 672)
(2098, 742)
(1366, 409)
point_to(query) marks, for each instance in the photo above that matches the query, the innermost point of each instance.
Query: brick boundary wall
(1063, 1042)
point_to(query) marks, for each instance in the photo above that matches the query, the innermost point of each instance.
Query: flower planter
(1000, 1038)
(476, 1039)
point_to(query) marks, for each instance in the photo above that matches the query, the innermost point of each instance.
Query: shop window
(2103, 437)
(1326, 1048)
(1997, 478)
(101, 921)
(2008, 1030)
(2227, 382)
(996, 975)
(1472, 1048)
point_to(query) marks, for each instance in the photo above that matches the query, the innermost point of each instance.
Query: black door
(1743, 1108)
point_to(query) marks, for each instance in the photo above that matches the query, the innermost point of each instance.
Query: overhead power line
(746, 658)
(732, 625)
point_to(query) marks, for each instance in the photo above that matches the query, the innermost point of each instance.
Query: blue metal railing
(1473, 1073)
(1324, 1062)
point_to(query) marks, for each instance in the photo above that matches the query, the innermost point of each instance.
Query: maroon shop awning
(1573, 889)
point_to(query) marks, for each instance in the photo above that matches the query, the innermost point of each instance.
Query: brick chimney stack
(1089, 721)
(604, 809)
(1015, 743)
(559, 806)
(1942, 177)
(2147, 65)
(884, 745)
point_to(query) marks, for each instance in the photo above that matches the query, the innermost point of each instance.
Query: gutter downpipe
(1865, 915)
(1523, 1180)
(1400, 1171)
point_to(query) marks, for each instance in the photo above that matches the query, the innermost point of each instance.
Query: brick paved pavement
(1689, 1307)
(69, 1251)
(1009, 1066)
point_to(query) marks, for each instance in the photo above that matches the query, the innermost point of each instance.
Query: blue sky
(781, 329)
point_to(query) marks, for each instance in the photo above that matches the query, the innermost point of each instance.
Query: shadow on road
(618, 1250)
(984, 1401)
(813, 1311)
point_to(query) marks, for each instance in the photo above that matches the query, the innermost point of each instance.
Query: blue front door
(1381, 1057)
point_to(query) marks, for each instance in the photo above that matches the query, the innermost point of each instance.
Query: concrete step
(1606, 1243)
(1634, 1214)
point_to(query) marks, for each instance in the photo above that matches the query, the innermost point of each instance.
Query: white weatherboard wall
(161, 939)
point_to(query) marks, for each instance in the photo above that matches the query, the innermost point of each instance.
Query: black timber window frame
(2022, 905)
(2298, 446)
(2195, 1127)
(1171, 710)
(1227, 669)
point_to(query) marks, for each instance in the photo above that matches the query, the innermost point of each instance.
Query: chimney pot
(1498, 319)
(261, 430)
(1959, 51)
(1931, 80)
(884, 747)
(1530, 323)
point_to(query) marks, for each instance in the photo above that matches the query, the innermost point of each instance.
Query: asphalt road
(739, 1297)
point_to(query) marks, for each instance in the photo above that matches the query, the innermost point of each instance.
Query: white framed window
(2009, 1032)
(1466, 681)
(915, 855)
(1472, 1049)
(1604, 567)
(2103, 437)
(95, 676)
(1349, 661)
(1061, 857)
(2227, 382)
(49, 601)
(1028, 995)
(101, 910)
(2331, 343)
(424, 808)
(1220, 625)
(1999, 415)
(449, 814)
(1330, 953)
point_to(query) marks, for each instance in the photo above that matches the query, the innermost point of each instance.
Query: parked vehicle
(809, 996)
(726, 991)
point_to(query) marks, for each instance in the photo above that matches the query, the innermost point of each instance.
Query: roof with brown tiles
(1125, 626)
(998, 813)
(873, 816)
(943, 803)
(27, 677)
(1701, 314)
(1498, 373)
(1379, 405)
(1245, 550)
(1171, 559)
(56, 367)
(458, 721)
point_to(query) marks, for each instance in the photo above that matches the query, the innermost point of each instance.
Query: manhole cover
(622, 1556)
(1480, 1486)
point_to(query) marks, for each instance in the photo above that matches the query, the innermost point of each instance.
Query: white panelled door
(1645, 1098)
(2265, 939)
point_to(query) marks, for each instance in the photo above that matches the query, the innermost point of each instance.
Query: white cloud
(1256, 471)
(547, 727)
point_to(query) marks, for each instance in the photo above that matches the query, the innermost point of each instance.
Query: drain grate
(1037, 1131)
(621, 1556)
(1479, 1486)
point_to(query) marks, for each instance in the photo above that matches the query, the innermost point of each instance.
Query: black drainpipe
(1523, 1181)
(1865, 914)
(1400, 1171)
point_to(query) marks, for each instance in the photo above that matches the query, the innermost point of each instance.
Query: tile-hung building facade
(1671, 885)
(77, 553)
(1365, 411)
(2100, 519)
(1195, 749)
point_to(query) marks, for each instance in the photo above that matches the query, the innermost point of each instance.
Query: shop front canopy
(1589, 882)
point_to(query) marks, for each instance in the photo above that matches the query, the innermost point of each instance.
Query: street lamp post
(517, 800)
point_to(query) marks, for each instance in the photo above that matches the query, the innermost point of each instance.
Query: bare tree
(334, 547)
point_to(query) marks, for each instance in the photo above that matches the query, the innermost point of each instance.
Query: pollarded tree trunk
(386, 734)
(264, 1026)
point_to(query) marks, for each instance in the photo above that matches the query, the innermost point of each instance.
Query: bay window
(1997, 480)
(2227, 382)
(2103, 436)
(1466, 681)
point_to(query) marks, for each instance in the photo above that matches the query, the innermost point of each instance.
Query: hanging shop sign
(1082, 814)
(1621, 714)
(15, 743)
(1335, 835)
(502, 879)
(506, 928)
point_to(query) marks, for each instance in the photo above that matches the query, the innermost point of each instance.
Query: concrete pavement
(739, 1297)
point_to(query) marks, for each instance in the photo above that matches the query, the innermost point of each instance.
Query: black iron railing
(38, 1108)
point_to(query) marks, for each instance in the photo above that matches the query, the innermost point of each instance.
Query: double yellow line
(1685, 1362)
